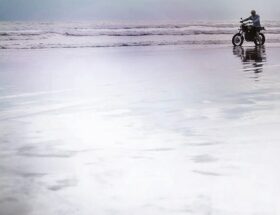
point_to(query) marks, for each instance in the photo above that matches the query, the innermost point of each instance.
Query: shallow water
(140, 131)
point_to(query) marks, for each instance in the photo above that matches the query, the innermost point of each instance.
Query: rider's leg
(257, 34)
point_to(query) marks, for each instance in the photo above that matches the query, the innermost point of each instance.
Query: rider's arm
(249, 18)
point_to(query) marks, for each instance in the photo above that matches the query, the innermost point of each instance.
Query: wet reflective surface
(252, 58)
(139, 131)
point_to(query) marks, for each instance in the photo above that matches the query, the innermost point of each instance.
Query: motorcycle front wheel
(260, 41)
(237, 39)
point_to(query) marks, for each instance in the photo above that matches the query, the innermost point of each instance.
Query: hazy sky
(131, 10)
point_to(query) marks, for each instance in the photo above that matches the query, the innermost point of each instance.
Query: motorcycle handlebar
(246, 22)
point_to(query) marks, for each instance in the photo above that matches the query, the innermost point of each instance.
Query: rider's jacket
(255, 19)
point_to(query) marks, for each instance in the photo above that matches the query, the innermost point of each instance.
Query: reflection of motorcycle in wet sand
(252, 58)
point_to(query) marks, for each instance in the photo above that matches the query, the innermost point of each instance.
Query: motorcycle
(250, 33)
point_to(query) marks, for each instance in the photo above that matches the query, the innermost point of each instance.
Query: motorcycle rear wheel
(237, 39)
(261, 40)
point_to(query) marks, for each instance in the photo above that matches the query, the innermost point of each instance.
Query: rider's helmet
(253, 12)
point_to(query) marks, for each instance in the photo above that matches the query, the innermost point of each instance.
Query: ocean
(42, 35)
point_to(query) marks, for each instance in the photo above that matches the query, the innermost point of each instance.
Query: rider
(255, 18)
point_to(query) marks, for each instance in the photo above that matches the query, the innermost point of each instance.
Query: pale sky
(136, 10)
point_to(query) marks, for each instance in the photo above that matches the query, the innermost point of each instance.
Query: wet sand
(140, 131)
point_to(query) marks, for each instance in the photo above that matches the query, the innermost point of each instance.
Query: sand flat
(167, 130)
